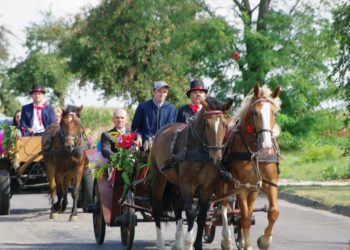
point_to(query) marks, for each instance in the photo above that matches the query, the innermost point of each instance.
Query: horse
(187, 155)
(252, 159)
(65, 160)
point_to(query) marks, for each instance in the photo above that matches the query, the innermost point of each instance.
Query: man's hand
(138, 141)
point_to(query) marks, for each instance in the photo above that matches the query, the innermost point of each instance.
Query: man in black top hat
(36, 116)
(196, 93)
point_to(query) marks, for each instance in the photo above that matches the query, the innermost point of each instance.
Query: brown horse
(187, 156)
(252, 159)
(65, 161)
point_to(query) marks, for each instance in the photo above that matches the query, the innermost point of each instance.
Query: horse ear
(62, 108)
(80, 109)
(204, 104)
(256, 90)
(228, 105)
(276, 92)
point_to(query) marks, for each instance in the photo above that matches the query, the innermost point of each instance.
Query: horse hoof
(54, 216)
(188, 245)
(176, 247)
(73, 218)
(226, 245)
(264, 243)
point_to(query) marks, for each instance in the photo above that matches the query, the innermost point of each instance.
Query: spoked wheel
(127, 231)
(97, 217)
(209, 233)
(237, 229)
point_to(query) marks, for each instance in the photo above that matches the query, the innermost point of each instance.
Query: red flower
(126, 141)
(236, 56)
(249, 129)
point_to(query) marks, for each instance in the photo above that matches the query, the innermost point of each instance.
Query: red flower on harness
(236, 56)
(249, 129)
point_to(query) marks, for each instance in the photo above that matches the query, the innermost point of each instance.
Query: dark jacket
(184, 114)
(47, 115)
(107, 144)
(148, 118)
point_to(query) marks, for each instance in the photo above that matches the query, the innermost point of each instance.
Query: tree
(290, 46)
(44, 64)
(8, 105)
(342, 34)
(123, 46)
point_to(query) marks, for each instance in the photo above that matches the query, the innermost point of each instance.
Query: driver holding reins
(38, 115)
(196, 93)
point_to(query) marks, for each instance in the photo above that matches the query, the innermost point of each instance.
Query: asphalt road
(29, 227)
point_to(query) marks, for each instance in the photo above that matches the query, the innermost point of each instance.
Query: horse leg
(64, 202)
(226, 242)
(246, 210)
(50, 171)
(75, 193)
(191, 213)
(178, 203)
(265, 240)
(158, 186)
(201, 218)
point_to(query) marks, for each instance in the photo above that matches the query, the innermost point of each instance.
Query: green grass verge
(327, 195)
(319, 166)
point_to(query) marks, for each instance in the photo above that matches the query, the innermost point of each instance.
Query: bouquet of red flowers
(123, 160)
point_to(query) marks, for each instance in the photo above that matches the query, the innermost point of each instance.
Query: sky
(16, 15)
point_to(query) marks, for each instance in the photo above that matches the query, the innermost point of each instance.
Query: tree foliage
(123, 46)
(43, 64)
(342, 34)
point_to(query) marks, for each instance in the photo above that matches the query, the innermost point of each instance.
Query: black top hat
(196, 85)
(37, 88)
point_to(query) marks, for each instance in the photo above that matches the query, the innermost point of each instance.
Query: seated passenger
(153, 114)
(120, 119)
(36, 116)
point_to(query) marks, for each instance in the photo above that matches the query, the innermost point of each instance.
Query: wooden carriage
(27, 171)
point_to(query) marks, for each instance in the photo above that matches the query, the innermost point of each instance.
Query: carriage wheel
(5, 194)
(97, 218)
(127, 231)
(209, 233)
(237, 228)
(87, 187)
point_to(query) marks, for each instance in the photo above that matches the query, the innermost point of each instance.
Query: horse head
(71, 130)
(214, 123)
(263, 110)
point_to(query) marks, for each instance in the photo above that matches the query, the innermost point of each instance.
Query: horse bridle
(252, 112)
(196, 135)
(77, 136)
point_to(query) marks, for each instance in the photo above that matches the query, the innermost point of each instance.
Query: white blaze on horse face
(217, 123)
(266, 118)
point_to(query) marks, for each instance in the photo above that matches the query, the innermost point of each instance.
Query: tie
(194, 107)
(38, 113)
(38, 107)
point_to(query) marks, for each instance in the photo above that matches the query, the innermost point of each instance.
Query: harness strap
(176, 158)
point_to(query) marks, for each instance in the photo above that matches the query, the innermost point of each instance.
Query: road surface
(29, 227)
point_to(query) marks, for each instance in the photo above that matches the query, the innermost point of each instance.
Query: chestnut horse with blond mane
(252, 159)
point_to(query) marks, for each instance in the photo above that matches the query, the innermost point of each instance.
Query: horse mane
(264, 92)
